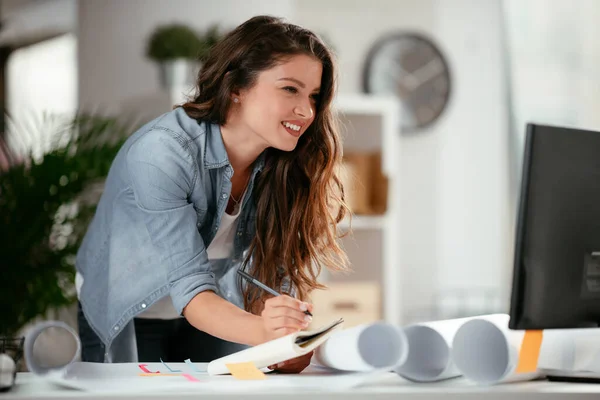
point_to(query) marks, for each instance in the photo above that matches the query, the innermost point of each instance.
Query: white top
(221, 247)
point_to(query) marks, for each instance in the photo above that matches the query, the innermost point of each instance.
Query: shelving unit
(372, 124)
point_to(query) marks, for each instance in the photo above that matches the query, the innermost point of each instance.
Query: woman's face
(280, 107)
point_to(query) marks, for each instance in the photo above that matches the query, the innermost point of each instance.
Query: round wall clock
(412, 68)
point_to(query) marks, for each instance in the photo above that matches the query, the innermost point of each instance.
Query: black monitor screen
(556, 278)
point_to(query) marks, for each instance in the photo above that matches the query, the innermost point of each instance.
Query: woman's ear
(234, 94)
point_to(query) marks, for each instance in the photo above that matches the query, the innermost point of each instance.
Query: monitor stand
(574, 377)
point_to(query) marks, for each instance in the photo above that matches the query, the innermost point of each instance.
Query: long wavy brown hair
(298, 195)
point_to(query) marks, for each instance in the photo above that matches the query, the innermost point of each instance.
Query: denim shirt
(164, 197)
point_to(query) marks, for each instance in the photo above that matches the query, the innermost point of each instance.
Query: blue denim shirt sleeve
(163, 173)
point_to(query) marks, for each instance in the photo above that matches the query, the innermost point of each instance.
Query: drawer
(357, 303)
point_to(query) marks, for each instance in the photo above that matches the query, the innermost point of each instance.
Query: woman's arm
(212, 314)
(216, 316)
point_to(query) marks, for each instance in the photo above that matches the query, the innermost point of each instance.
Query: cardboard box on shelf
(365, 185)
(379, 186)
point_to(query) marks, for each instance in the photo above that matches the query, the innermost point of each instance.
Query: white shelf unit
(372, 123)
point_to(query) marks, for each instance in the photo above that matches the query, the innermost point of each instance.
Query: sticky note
(530, 351)
(191, 365)
(157, 374)
(190, 378)
(146, 370)
(245, 371)
(169, 368)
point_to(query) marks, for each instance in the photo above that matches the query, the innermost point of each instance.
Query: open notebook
(278, 350)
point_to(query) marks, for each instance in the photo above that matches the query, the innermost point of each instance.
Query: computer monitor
(556, 278)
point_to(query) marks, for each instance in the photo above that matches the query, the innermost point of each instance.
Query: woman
(243, 176)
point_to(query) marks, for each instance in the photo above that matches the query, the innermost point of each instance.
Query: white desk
(390, 386)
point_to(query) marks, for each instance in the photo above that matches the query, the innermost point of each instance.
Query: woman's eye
(290, 89)
(315, 98)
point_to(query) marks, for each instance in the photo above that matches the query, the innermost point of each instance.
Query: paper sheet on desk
(123, 378)
(131, 378)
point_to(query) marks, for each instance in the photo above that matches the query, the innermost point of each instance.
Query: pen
(261, 285)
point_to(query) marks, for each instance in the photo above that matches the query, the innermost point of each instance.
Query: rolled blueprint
(430, 344)
(35, 362)
(487, 352)
(365, 347)
(574, 350)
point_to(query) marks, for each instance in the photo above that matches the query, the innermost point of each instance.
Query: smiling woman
(243, 176)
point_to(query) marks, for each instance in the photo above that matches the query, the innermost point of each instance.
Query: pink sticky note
(190, 378)
(146, 370)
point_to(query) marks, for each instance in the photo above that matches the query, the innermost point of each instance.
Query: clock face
(410, 67)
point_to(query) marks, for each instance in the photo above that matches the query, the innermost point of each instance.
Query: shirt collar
(215, 154)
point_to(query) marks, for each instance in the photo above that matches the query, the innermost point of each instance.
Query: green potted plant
(46, 203)
(179, 51)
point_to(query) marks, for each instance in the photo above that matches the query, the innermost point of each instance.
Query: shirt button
(116, 328)
(143, 305)
(224, 196)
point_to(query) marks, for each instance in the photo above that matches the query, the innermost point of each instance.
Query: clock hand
(428, 71)
(402, 76)
(401, 85)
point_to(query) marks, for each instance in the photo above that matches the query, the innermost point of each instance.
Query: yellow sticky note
(530, 351)
(246, 371)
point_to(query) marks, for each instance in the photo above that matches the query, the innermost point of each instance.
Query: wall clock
(411, 67)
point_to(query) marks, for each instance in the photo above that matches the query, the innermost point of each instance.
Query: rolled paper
(430, 344)
(32, 335)
(366, 347)
(487, 352)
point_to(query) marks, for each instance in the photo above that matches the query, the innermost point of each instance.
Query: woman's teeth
(291, 126)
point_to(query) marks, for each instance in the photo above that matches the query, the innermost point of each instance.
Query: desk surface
(388, 386)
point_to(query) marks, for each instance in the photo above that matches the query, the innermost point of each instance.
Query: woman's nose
(304, 111)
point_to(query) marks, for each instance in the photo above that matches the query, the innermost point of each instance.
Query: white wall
(28, 21)
(474, 236)
(113, 33)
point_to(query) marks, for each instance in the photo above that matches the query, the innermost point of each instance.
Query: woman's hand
(283, 315)
(293, 366)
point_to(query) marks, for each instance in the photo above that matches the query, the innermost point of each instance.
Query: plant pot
(177, 73)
